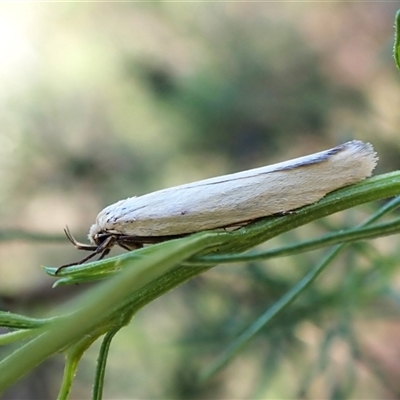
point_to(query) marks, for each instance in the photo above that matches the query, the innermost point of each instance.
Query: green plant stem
(28, 236)
(17, 336)
(396, 48)
(74, 355)
(352, 235)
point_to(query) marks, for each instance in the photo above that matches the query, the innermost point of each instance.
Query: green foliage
(148, 273)
(396, 47)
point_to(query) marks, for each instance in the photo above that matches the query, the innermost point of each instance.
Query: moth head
(95, 234)
(98, 236)
(102, 238)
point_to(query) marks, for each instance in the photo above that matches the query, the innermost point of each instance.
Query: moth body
(229, 200)
(243, 196)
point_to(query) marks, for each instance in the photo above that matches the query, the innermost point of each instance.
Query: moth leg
(236, 225)
(78, 245)
(126, 247)
(91, 255)
(104, 253)
(103, 249)
(288, 212)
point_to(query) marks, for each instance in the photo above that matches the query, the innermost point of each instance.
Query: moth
(226, 201)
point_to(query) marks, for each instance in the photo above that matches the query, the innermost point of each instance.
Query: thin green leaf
(17, 321)
(101, 365)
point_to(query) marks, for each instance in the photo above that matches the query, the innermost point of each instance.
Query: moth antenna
(78, 245)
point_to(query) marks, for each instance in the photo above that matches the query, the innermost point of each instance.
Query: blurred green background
(102, 101)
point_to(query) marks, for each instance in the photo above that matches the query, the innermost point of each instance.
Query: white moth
(229, 200)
